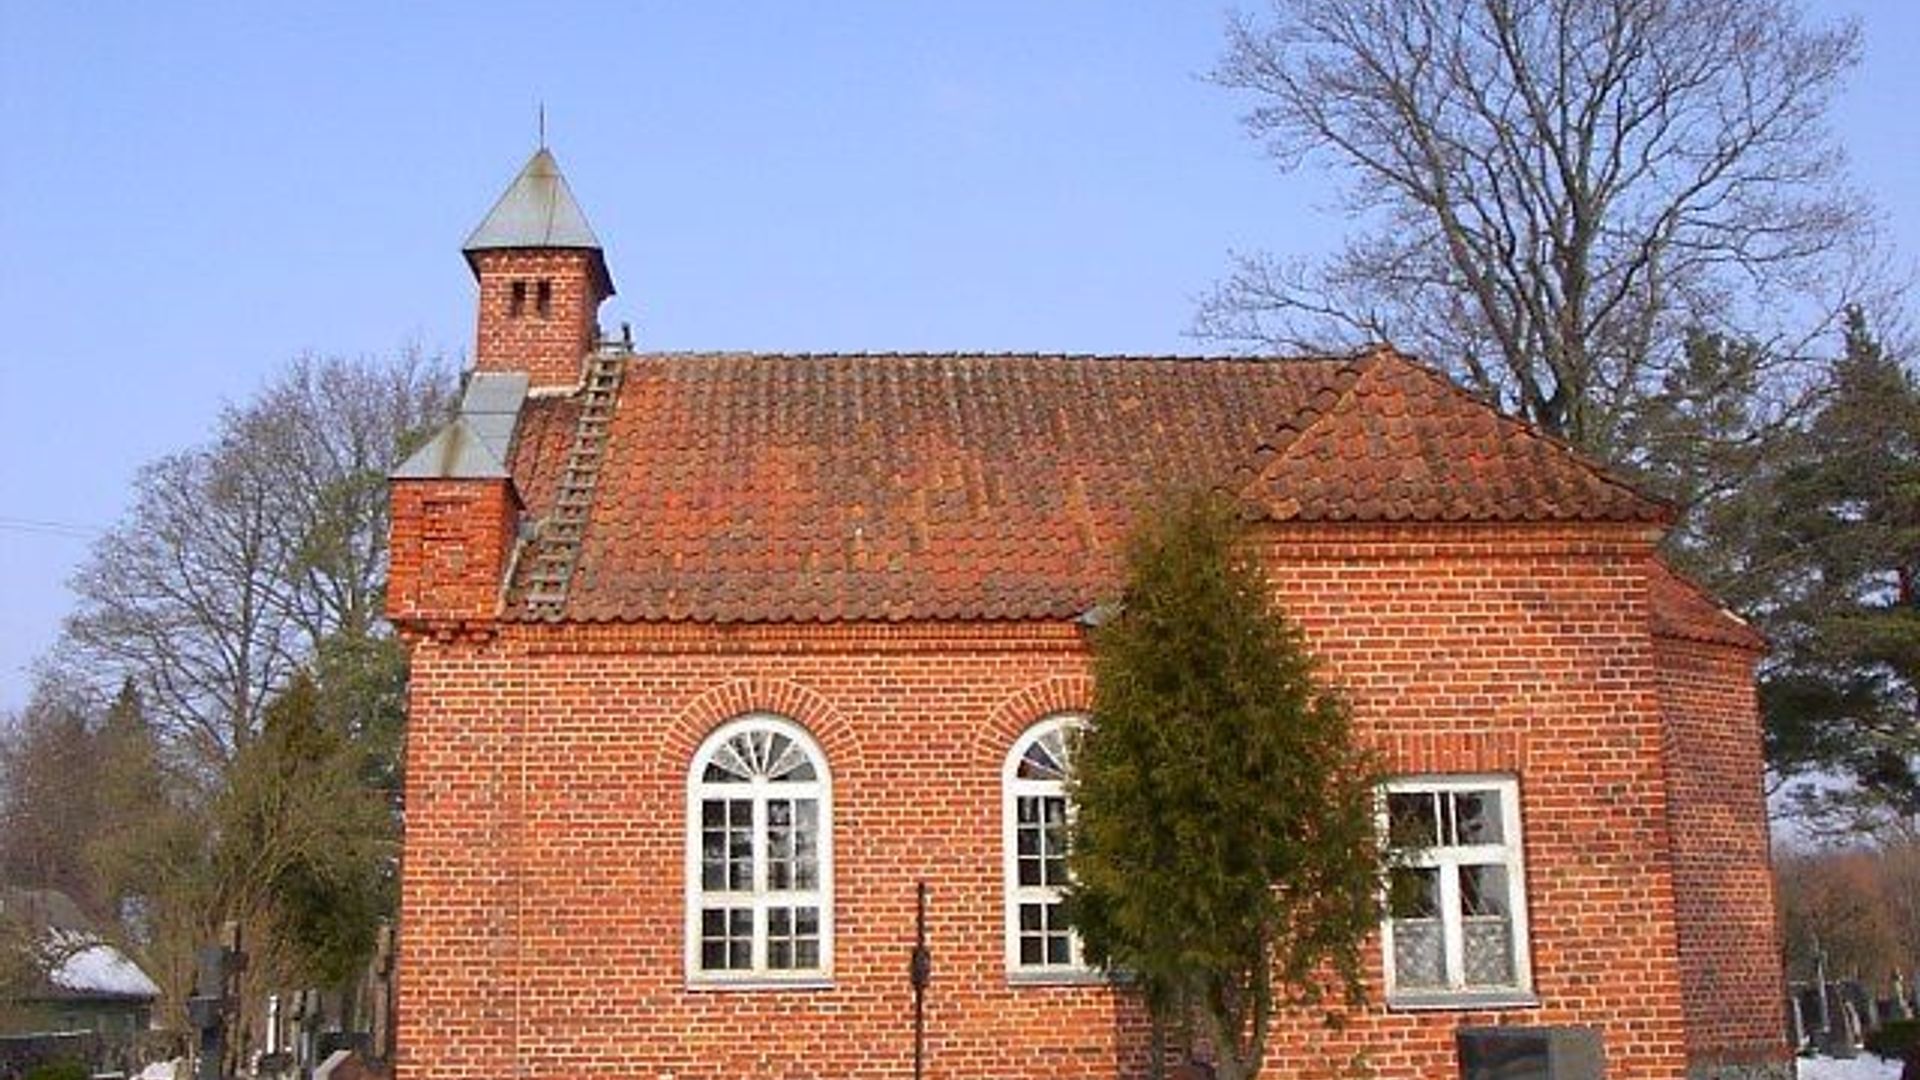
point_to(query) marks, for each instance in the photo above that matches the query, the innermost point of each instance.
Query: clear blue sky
(191, 194)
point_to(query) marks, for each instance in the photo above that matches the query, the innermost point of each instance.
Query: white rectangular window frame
(1449, 859)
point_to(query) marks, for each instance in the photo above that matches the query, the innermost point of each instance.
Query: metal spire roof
(537, 211)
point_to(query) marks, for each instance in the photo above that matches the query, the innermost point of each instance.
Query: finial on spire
(543, 125)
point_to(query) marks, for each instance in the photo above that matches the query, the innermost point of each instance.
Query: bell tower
(542, 279)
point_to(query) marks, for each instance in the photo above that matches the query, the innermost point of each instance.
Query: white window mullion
(759, 878)
(1452, 927)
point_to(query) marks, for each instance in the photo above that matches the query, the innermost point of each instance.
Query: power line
(49, 528)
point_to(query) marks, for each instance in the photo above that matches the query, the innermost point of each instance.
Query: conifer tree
(1843, 543)
(1223, 849)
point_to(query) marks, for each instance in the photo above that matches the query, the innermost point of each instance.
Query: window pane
(1045, 759)
(726, 939)
(1414, 892)
(1486, 933)
(1412, 821)
(1029, 872)
(740, 853)
(1476, 817)
(1027, 839)
(1059, 949)
(1053, 842)
(779, 844)
(1032, 917)
(1033, 950)
(1027, 810)
(806, 844)
(1419, 954)
(1483, 891)
(806, 954)
(780, 938)
(1488, 947)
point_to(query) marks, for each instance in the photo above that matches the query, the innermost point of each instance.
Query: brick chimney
(456, 514)
(542, 279)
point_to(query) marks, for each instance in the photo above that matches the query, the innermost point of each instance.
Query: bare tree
(1558, 190)
(48, 806)
(326, 432)
(239, 557)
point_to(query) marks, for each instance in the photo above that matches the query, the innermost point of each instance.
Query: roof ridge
(1594, 467)
(1197, 358)
(1292, 430)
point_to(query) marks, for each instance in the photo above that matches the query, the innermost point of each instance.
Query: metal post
(920, 971)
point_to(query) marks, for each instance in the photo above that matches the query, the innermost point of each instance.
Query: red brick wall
(1729, 942)
(549, 346)
(449, 545)
(542, 912)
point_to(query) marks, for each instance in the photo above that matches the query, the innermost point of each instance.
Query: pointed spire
(537, 211)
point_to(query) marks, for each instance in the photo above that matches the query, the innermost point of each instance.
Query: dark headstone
(1530, 1053)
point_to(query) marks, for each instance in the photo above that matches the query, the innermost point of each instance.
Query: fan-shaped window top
(1049, 756)
(759, 754)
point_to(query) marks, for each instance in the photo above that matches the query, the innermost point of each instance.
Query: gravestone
(1531, 1053)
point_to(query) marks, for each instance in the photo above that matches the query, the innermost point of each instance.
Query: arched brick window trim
(1013, 716)
(728, 701)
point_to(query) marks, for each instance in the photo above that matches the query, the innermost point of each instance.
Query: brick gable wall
(542, 914)
(1729, 939)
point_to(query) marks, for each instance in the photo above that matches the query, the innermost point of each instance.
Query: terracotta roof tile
(1403, 443)
(1684, 610)
(744, 488)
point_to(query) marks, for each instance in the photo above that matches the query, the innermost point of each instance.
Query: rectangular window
(1456, 928)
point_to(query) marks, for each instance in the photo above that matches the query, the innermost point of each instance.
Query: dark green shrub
(1898, 1040)
(58, 1070)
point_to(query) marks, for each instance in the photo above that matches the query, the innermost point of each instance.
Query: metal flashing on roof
(536, 211)
(476, 444)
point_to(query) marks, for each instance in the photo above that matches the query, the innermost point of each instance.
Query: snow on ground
(162, 1070)
(1864, 1067)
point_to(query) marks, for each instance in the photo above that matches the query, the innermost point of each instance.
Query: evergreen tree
(305, 847)
(1843, 545)
(1223, 849)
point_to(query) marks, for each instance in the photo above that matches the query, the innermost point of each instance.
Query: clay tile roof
(753, 488)
(1402, 443)
(1684, 610)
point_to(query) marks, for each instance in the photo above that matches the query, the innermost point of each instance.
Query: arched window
(759, 855)
(1035, 813)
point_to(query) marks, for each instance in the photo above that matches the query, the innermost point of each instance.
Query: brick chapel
(716, 655)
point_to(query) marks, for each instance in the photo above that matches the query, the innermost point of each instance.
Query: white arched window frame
(1035, 814)
(759, 860)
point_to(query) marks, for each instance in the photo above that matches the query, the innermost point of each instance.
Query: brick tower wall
(518, 332)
